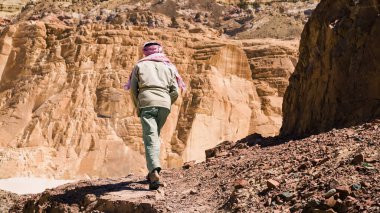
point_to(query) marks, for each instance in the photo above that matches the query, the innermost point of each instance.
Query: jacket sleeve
(135, 86)
(173, 88)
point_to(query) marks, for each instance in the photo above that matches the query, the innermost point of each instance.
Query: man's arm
(173, 88)
(135, 86)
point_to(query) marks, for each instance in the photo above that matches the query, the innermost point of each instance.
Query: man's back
(152, 84)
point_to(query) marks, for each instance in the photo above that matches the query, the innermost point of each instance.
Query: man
(154, 86)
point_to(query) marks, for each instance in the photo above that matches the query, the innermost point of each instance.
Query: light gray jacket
(153, 84)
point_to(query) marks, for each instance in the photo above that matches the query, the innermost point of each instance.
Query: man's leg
(161, 118)
(150, 136)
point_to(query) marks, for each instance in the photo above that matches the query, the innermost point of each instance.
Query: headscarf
(152, 47)
(153, 51)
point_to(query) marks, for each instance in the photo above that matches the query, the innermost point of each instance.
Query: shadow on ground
(76, 195)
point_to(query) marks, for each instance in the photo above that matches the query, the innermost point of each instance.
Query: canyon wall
(336, 82)
(64, 113)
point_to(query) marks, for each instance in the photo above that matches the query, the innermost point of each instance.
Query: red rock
(358, 159)
(272, 184)
(189, 164)
(343, 191)
(240, 183)
(290, 170)
(349, 201)
(330, 202)
(365, 184)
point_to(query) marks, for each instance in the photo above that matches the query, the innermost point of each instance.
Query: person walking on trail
(154, 84)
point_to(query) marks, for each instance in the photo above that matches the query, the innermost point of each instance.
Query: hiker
(154, 84)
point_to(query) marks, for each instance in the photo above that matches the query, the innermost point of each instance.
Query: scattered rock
(330, 193)
(343, 191)
(330, 202)
(188, 165)
(356, 187)
(313, 203)
(240, 183)
(351, 200)
(365, 184)
(89, 198)
(340, 206)
(287, 196)
(272, 184)
(358, 159)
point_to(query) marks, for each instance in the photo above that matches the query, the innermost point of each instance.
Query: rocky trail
(336, 171)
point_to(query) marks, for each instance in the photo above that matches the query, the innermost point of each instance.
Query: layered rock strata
(337, 79)
(64, 113)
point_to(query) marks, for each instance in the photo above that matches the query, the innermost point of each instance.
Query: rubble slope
(337, 171)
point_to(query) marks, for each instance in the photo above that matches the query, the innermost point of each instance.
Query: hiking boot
(154, 179)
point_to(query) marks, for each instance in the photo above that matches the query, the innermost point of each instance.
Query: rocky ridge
(262, 19)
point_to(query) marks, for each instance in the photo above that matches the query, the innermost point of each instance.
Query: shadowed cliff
(336, 82)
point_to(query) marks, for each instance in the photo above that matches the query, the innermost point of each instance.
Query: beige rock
(64, 113)
(272, 184)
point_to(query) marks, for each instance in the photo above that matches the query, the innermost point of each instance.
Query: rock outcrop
(64, 112)
(337, 79)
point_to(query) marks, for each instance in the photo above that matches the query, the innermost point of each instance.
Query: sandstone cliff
(64, 113)
(62, 97)
(337, 79)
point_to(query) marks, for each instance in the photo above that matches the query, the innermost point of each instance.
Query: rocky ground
(337, 171)
(7, 200)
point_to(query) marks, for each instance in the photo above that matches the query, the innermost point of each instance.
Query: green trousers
(152, 121)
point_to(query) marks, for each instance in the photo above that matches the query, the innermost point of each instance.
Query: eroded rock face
(64, 113)
(337, 79)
